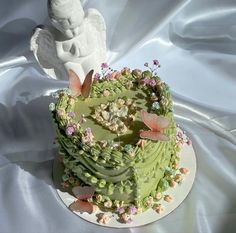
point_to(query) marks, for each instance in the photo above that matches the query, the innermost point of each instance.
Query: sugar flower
(51, 106)
(168, 198)
(146, 80)
(97, 76)
(106, 93)
(121, 210)
(125, 217)
(189, 142)
(89, 134)
(103, 219)
(71, 114)
(130, 221)
(155, 105)
(108, 204)
(152, 83)
(133, 210)
(109, 76)
(158, 208)
(104, 65)
(70, 130)
(156, 62)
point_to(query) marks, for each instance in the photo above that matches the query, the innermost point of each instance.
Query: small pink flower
(189, 142)
(121, 210)
(104, 65)
(130, 221)
(133, 210)
(180, 134)
(70, 130)
(156, 62)
(97, 77)
(146, 80)
(71, 114)
(146, 64)
(109, 76)
(152, 82)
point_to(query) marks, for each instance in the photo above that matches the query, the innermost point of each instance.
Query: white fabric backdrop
(195, 41)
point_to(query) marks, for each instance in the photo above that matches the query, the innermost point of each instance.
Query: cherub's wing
(97, 21)
(42, 44)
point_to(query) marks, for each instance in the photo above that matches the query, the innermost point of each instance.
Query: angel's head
(67, 16)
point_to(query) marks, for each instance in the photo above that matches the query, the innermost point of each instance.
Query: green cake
(118, 136)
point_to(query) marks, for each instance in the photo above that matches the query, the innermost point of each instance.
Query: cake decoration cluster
(113, 174)
(116, 115)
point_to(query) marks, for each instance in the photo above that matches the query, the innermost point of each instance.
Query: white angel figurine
(75, 40)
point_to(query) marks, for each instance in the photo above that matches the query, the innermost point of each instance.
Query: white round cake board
(180, 192)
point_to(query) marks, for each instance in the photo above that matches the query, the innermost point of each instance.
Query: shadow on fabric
(27, 136)
(15, 36)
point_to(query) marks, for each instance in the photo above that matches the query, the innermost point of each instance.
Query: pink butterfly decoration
(77, 87)
(156, 124)
(83, 193)
(82, 204)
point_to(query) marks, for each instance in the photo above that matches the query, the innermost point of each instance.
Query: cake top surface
(115, 105)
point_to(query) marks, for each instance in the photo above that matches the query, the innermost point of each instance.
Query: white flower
(51, 106)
